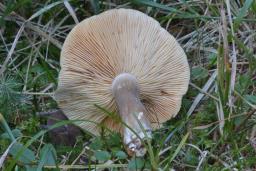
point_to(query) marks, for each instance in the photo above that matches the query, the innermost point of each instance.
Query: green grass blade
(49, 72)
(6, 127)
(47, 157)
(46, 8)
(242, 12)
(37, 136)
(171, 158)
(161, 6)
(95, 5)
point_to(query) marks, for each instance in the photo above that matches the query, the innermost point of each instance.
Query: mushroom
(124, 61)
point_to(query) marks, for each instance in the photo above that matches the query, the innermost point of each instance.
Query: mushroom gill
(124, 61)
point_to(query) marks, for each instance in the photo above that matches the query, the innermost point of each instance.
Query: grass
(215, 128)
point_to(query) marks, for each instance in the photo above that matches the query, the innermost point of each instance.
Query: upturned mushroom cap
(120, 41)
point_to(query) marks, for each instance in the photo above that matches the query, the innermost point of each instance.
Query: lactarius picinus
(124, 61)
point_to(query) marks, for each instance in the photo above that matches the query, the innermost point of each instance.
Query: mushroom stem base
(126, 92)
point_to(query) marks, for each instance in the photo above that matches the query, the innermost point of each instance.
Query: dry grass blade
(204, 92)
(78, 157)
(20, 20)
(233, 59)
(4, 155)
(223, 70)
(200, 96)
(220, 114)
(38, 93)
(98, 166)
(205, 126)
(217, 122)
(218, 36)
(204, 154)
(5, 45)
(202, 158)
(219, 160)
(4, 65)
(45, 35)
(27, 72)
(43, 10)
(71, 11)
(26, 23)
(253, 137)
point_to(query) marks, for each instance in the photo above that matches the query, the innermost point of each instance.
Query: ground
(215, 128)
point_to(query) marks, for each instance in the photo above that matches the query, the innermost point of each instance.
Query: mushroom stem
(126, 92)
